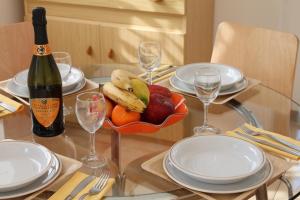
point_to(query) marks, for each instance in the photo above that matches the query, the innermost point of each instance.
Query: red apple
(158, 109)
(157, 89)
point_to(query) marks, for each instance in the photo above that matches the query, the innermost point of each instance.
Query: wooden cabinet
(80, 39)
(109, 31)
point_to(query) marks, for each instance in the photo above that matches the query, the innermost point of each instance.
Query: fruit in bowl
(158, 109)
(140, 107)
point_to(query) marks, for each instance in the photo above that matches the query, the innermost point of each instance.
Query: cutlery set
(285, 146)
(160, 73)
(7, 107)
(272, 137)
(96, 189)
(80, 187)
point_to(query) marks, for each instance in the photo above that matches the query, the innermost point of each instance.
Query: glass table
(259, 106)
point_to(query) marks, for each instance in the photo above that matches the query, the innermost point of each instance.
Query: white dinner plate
(23, 92)
(68, 83)
(21, 163)
(229, 75)
(216, 159)
(252, 182)
(178, 85)
(38, 184)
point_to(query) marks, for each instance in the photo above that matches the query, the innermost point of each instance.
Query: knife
(8, 107)
(275, 146)
(80, 187)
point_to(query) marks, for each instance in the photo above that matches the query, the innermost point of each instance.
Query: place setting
(26, 167)
(213, 162)
(233, 82)
(73, 78)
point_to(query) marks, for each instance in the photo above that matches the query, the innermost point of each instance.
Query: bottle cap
(39, 16)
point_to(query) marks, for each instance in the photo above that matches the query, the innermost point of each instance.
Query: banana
(121, 79)
(140, 89)
(123, 97)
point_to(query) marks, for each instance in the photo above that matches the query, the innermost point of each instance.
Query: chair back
(266, 55)
(16, 42)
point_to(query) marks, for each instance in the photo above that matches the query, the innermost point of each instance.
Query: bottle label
(41, 49)
(45, 110)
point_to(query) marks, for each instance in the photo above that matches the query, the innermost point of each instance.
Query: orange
(121, 115)
(109, 107)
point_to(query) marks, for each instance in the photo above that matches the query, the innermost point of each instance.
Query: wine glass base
(206, 130)
(94, 162)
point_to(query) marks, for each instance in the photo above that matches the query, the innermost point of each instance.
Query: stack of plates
(232, 80)
(70, 84)
(26, 167)
(217, 164)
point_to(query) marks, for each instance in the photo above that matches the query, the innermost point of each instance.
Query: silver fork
(277, 139)
(103, 178)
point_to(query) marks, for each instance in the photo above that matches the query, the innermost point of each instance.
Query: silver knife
(281, 148)
(8, 107)
(80, 187)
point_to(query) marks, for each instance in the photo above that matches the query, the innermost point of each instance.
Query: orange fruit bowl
(181, 111)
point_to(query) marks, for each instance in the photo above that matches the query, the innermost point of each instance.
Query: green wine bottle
(44, 83)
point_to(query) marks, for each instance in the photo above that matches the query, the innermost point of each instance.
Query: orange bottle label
(45, 110)
(41, 50)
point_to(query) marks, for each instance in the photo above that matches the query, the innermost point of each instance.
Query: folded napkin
(11, 102)
(67, 188)
(265, 147)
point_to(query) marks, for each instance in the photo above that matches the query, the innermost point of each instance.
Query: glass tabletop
(259, 106)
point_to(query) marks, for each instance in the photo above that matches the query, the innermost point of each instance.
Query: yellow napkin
(265, 147)
(67, 188)
(11, 102)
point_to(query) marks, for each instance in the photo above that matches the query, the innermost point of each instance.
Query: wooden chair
(266, 55)
(16, 42)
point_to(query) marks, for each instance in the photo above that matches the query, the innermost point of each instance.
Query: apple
(157, 89)
(158, 109)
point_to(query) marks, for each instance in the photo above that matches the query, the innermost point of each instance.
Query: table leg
(261, 193)
(119, 186)
(115, 148)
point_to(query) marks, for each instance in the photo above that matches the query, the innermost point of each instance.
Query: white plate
(216, 159)
(23, 92)
(21, 163)
(38, 184)
(68, 83)
(229, 75)
(178, 85)
(254, 181)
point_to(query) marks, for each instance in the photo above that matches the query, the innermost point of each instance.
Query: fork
(103, 178)
(248, 131)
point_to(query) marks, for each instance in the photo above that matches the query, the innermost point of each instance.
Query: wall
(11, 11)
(282, 15)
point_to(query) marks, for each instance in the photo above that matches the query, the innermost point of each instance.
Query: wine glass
(64, 64)
(207, 83)
(90, 112)
(149, 54)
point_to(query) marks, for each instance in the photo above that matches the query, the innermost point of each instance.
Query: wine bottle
(44, 82)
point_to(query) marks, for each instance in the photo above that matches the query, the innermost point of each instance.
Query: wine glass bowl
(90, 112)
(207, 83)
(64, 63)
(149, 54)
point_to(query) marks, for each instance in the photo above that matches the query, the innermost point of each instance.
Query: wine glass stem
(92, 145)
(150, 77)
(205, 124)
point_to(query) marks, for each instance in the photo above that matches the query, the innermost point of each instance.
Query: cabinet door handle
(157, 0)
(89, 51)
(111, 54)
